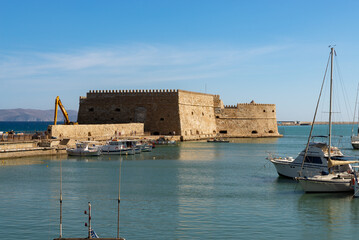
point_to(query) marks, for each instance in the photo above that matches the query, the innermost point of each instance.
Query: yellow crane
(58, 103)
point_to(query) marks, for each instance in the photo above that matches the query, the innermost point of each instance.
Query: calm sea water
(196, 190)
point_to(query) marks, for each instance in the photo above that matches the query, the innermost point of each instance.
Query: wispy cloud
(159, 63)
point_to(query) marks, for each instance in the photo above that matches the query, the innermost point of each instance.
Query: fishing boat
(318, 157)
(330, 181)
(87, 148)
(119, 147)
(145, 146)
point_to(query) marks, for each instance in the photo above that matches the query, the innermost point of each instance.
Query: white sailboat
(332, 181)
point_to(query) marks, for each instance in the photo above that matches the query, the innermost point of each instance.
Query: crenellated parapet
(230, 106)
(94, 93)
(254, 104)
(134, 91)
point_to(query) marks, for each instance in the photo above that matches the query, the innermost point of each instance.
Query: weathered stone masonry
(191, 115)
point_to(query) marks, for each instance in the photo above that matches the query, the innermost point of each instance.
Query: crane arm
(63, 110)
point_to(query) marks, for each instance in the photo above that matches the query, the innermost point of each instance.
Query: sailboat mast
(330, 104)
(60, 198)
(118, 201)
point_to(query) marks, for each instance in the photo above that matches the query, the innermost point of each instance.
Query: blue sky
(266, 51)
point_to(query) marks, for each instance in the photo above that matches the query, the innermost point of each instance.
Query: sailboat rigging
(332, 181)
(318, 157)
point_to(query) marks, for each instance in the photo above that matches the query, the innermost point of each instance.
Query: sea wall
(95, 131)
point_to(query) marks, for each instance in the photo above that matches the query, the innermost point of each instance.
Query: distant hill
(20, 114)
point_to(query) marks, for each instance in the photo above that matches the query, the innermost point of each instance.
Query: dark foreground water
(195, 190)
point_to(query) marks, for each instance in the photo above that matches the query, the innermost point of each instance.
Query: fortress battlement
(133, 91)
(230, 106)
(254, 104)
(168, 111)
(140, 92)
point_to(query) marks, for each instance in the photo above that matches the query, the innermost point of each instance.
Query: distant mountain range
(20, 114)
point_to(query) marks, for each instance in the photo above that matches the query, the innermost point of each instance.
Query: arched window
(254, 132)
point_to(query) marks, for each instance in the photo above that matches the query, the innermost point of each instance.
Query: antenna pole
(118, 201)
(60, 198)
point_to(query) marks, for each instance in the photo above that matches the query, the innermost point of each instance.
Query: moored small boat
(327, 183)
(84, 149)
(119, 147)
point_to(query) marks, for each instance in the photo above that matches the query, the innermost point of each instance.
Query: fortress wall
(157, 109)
(196, 114)
(188, 114)
(249, 127)
(251, 110)
(95, 131)
(253, 120)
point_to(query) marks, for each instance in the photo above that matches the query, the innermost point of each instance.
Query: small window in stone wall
(254, 132)
(214, 131)
(162, 119)
(223, 131)
(271, 131)
(192, 113)
(202, 114)
(197, 132)
(217, 116)
(91, 109)
(264, 110)
(272, 110)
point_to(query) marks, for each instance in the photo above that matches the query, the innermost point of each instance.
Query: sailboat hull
(355, 142)
(325, 184)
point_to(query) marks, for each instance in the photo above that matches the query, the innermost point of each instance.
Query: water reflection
(30, 160)
(330, 210)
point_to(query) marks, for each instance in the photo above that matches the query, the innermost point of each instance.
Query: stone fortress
(190, 115)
